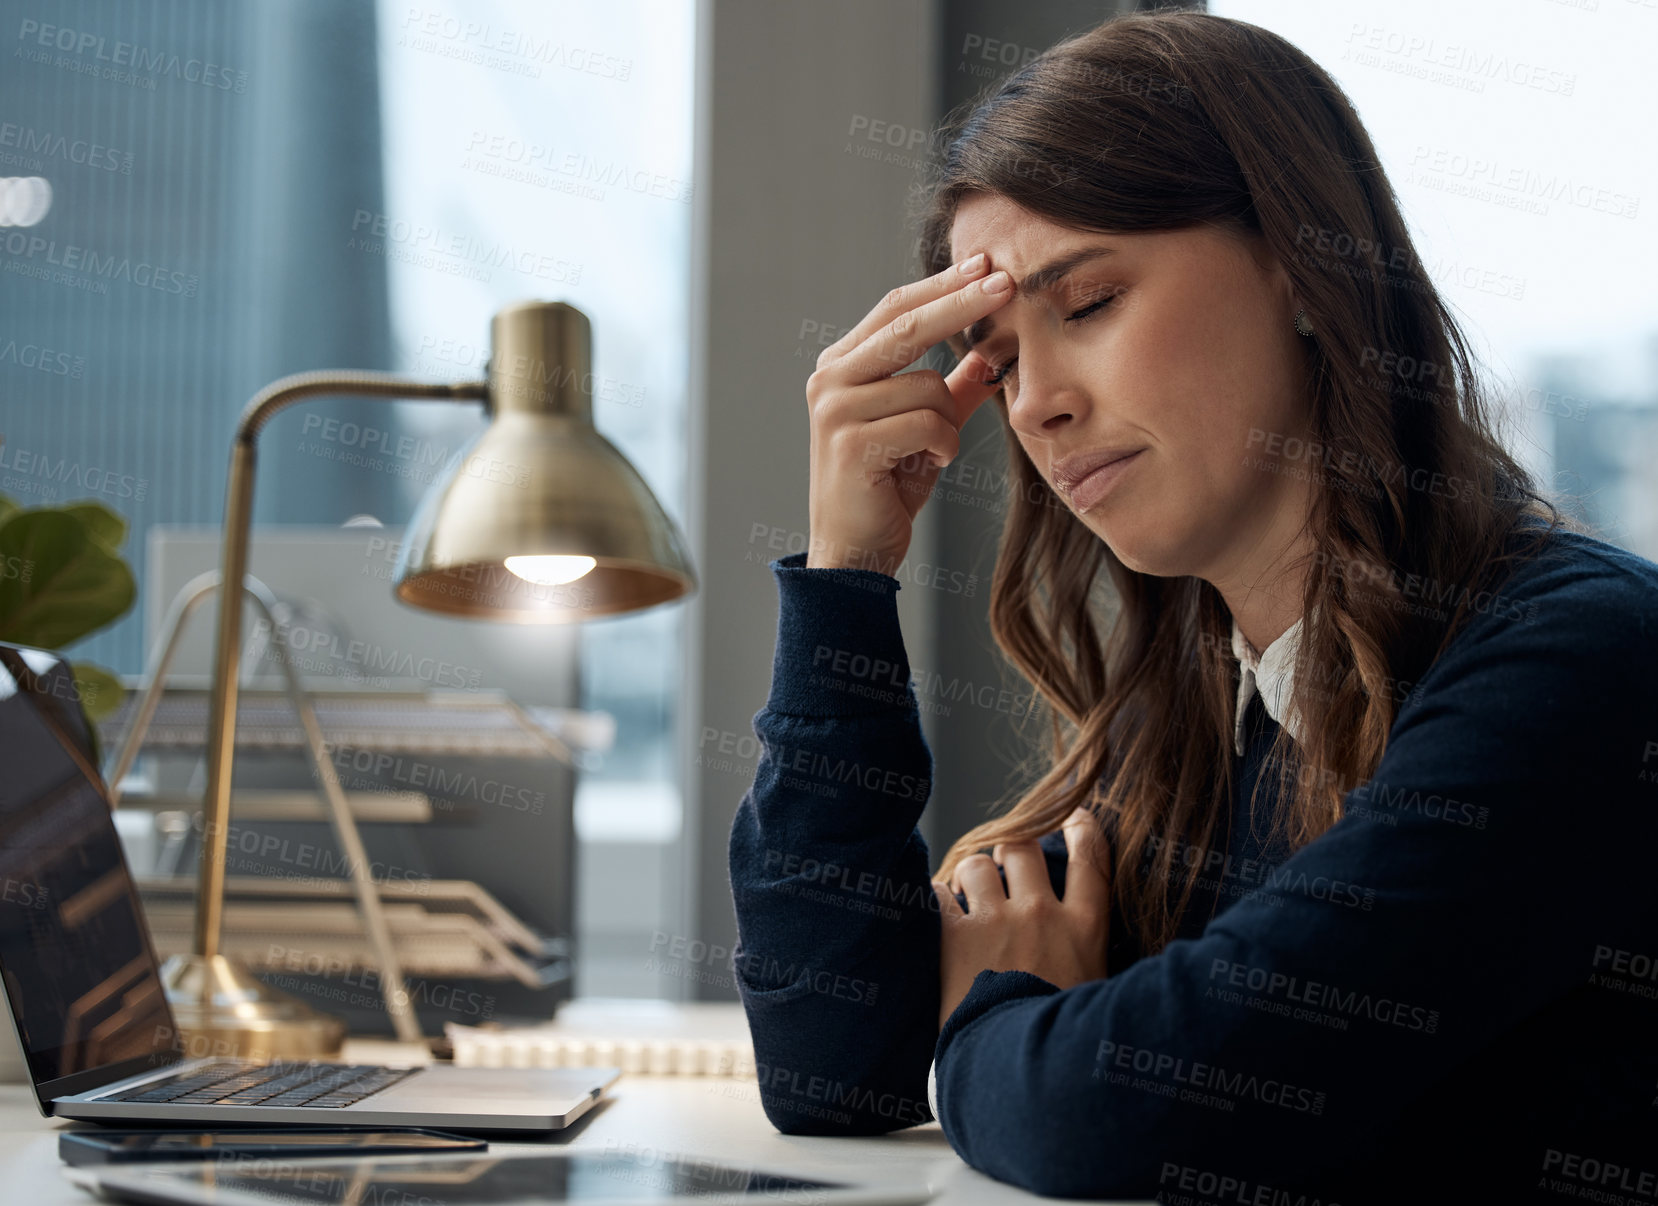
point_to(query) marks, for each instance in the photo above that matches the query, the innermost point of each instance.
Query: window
(204, 197)
(1514, 136)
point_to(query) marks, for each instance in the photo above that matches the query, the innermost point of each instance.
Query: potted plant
(61, 579)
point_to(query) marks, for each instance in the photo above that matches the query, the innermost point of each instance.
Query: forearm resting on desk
(838, 933)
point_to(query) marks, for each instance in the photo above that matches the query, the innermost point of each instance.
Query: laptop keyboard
(230, 1082)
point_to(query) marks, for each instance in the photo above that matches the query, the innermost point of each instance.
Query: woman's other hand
(1027, 928)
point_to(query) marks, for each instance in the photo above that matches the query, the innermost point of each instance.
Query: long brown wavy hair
(1164, 121)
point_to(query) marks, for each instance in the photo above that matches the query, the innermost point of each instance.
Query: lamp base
(224, 1010)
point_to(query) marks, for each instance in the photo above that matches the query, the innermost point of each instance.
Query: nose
(1046, 399)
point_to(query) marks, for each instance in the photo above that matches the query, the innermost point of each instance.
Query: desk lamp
(541, 520)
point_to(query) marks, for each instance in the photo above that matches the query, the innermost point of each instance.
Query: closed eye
(1001, 372)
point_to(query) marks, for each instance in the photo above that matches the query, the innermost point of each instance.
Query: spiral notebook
(638, 1035)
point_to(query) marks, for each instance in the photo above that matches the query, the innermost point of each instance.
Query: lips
(1087, 493)
(1069, 472)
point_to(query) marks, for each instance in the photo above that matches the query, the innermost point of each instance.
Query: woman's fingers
(948, 905)
(923, 389)
(969, 385)
(1026, 869)
(907, 336)
(893, 440)
(939, 405)
(1087, 880)
(904, 297)
(980, 881)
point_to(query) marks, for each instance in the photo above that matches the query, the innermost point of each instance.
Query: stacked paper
(641, 1036)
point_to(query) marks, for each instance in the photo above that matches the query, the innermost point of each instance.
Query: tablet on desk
(614, 1178)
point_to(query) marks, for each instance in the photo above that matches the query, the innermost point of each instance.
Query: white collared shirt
(1271, 672)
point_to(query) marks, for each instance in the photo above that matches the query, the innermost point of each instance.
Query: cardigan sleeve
(836, 960)
(1504, 840)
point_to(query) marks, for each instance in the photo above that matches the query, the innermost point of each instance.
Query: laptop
(85, 986)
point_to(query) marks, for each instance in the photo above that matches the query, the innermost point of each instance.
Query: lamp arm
(221, 743)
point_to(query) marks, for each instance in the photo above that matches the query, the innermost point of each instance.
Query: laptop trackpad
(487, 1090)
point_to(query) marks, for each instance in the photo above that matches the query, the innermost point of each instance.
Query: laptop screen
(75, 954)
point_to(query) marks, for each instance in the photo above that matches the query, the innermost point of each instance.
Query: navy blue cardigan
(1453, 990)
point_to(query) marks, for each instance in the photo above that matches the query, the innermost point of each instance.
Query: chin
(1130, 544)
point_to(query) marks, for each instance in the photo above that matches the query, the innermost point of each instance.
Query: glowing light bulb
(550, 570)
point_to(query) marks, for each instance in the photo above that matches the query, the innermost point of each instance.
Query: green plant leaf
(8, 507)
(57, 581)
(102, 524)
(100, 691)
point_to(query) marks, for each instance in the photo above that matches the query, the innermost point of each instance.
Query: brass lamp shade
(540, 496)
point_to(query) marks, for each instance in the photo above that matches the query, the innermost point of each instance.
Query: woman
(1345, 832)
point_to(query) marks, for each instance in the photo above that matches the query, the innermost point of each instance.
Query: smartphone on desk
(118, 1146)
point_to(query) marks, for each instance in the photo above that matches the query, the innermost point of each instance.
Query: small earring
(1301, 325)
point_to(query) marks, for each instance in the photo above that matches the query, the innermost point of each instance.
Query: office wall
(794, 233)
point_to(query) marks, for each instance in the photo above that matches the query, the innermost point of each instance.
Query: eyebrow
(1045, 277)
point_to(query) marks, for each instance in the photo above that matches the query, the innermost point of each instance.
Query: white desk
(708, 1117)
